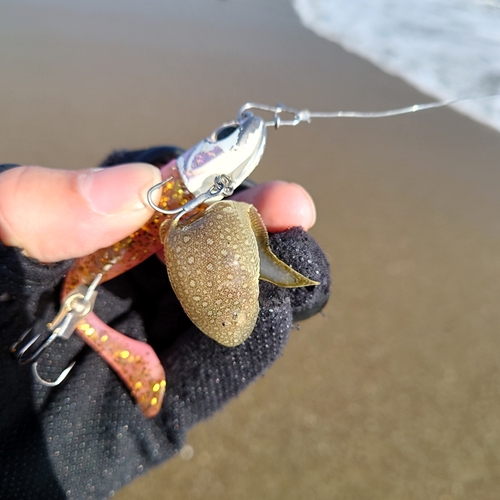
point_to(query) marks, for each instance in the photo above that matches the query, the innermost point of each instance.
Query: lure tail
(135, 362)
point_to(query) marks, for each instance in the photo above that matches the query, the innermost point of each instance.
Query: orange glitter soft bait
(215, 251)
(135, 362)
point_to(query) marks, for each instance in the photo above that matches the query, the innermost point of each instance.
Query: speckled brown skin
(213, 266)
(135, 362)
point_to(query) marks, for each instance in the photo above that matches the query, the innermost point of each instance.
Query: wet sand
(393, 392)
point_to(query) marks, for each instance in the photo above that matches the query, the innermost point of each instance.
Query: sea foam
(446, 48)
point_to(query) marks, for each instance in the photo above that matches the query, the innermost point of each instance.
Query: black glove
(86, 438)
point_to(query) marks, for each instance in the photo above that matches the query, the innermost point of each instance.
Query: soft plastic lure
(135, 362)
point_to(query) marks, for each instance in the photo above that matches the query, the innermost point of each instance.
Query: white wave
(447, 48)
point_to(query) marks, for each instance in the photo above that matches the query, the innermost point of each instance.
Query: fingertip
(281, 205)
(306, 204)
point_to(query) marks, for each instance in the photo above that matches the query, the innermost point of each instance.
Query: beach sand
(394, 391)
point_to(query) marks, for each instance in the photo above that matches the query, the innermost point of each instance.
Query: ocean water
(446, 48)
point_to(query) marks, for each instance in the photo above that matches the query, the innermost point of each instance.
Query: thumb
(59, 214)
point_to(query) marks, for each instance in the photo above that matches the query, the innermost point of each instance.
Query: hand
(86, 438)
(61, 214)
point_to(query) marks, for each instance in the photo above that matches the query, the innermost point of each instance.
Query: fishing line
(305, 115)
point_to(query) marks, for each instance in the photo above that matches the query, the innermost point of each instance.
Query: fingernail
(114, 190)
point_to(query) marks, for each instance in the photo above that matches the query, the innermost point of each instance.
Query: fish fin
(273, 269)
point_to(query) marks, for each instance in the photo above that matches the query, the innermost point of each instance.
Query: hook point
(56, 382)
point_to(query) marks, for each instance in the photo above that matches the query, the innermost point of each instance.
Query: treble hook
(20, 354)
(75, 307)
(22, 359)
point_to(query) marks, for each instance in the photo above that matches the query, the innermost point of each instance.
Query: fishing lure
(215, 253)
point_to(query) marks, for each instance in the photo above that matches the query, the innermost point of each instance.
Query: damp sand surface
(394, 391)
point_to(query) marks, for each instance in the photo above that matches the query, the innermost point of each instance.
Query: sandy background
(392, 393)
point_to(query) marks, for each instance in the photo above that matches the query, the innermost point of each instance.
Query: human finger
(59, 214)
(281, 205)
